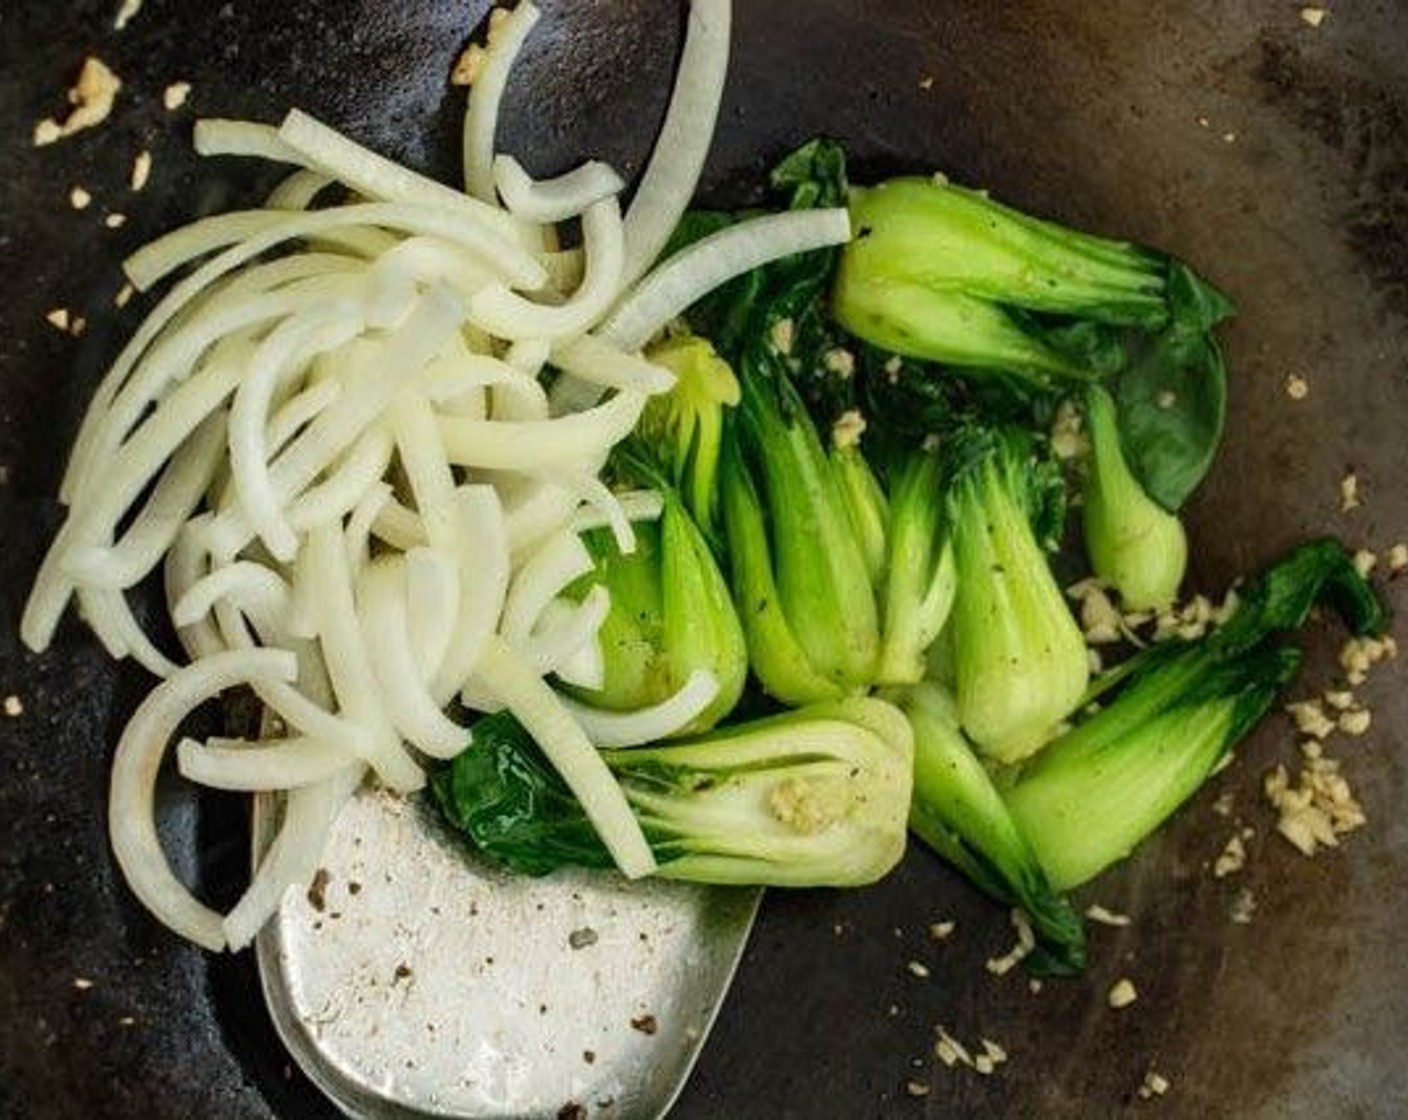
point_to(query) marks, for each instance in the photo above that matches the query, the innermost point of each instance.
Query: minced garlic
(92, 98)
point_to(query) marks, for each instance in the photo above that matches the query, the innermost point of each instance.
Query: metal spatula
(413, 980)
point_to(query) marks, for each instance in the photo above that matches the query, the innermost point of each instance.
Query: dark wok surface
(1272, 155)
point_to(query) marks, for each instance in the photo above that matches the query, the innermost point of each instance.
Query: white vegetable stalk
(481, 118)
(534, 444)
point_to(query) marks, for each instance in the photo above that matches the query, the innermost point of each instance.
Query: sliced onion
(299, 191)
(506, 314)
(154, 530)
(636, 505)
(571, 753)
(563, 629)
(294, 855)
(288, 348)
(547, 201)
(298, 411)
(484, 569)
(345, 654)
(589, 488)
(109, 616)
(672, 174)
(691, 273)
(282, 764)
(381, 600)
(432, 607)
(398, 526)
(186, 563)
(217, 137)
(533, 445)
(375, 176)
(427, 469)
(561, 560)
(358, 531)
(593, 359)
(132, 800)
(481, 118)
(647, 725)
(345, 484)
(534, 509)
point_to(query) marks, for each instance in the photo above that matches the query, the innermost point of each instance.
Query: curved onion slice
(481, 117)
(252, 767)
(632, 729)
(554, 200)
(132, 800)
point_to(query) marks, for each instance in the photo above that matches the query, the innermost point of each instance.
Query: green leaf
(503, 794)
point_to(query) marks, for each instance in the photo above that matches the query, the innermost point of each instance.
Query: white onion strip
(381, 599)
(672, 174)
(632, 729)
(154, 529)
(432, 607)
(215, 136)
(299, 191)
(546, 719)
(132, 798)
(294, 855)
(595, 360)
(481, 118)
(636, 505)
(554, 200)
(375, 176)
(563, 629)
(297, 411)
(561, 560)
(506, 314)
(532, 445)
(485, 568)
(281, 764)
(691, 273)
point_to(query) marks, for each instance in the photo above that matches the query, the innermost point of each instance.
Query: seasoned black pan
(1272, 153)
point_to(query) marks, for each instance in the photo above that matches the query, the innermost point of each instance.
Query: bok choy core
(814, 797)
(1018, 654)
(1134, 544)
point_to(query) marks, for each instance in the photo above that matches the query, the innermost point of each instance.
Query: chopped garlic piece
(1317, 809)
(941, 931)
(1121, 994)
(784, 332)
(79, 198)
(124, 295)
(1340, 700)
(126, 14)
(1313, 16)
(950, 1051)
(141, 170)
(92, 98)
(1232, 859)
(58, 318)
(1310, 718)
(1297, 387)
(1365, 562)
(175, 95)
(1349, 492)
(1398, 557)
(115, 221)
(1026, 942)
(1355, 722)
(1243, 907)
(848, 429)
(1097, 913)
(468, 66)
(14, 706)
(1154, 1085)
(917, 968)
(841, 362)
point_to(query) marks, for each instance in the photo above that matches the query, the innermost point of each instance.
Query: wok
(1271, 153)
